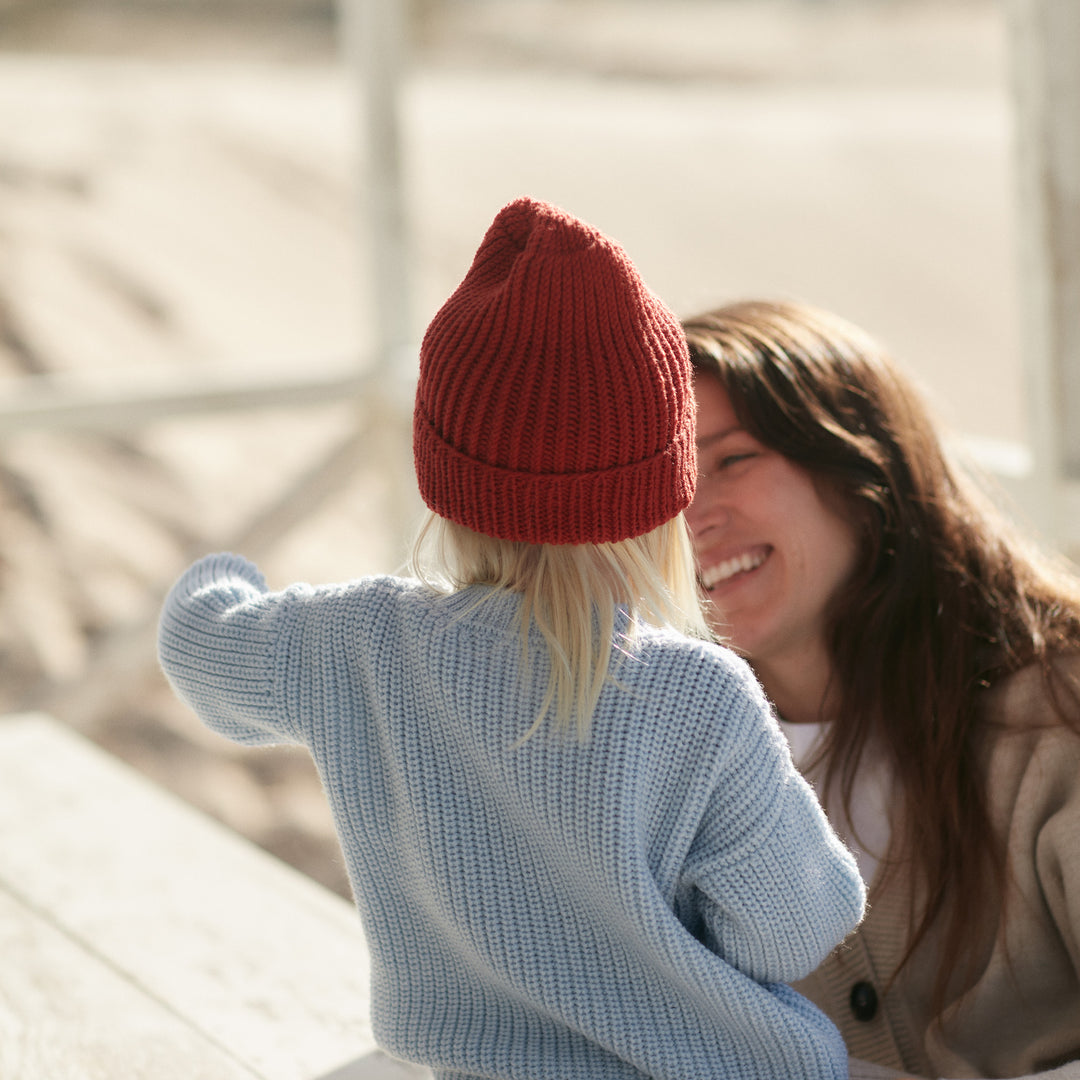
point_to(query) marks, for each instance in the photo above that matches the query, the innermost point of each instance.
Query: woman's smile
(733, 568)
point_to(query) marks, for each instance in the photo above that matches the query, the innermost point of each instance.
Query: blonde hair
(571, 593)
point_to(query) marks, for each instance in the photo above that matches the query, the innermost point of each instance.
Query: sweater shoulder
(713, 665)
(1031, 752)
(373, 599)
(711, 692)
(1039, 701)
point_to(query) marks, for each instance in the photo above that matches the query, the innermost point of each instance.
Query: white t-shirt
(867, 832)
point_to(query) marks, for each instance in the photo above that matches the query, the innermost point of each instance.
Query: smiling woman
(925, 658)
(773, 549)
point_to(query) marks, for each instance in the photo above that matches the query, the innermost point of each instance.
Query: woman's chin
(729, 631)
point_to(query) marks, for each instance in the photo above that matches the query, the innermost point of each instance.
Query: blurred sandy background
(178, 191)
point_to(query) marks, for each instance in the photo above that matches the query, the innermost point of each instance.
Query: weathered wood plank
(65, 1014)
(265, 963)
(378, 1066)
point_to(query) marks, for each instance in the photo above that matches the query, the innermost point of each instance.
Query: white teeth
(730, 567)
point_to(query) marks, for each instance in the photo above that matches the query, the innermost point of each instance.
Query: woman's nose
(708, 509)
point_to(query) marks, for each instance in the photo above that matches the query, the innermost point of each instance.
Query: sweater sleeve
(776, 888)
(1057, 850)
(1021, 1015)
(219, 639)
(1043, 929)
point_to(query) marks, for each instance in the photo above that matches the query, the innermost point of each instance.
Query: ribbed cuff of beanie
(604, 506)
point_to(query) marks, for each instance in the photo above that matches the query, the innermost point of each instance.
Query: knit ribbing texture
(625, 908)
(554, 402)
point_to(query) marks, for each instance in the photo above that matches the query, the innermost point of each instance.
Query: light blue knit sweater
(627, 907)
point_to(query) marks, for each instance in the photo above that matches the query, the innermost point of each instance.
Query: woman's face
(772, 552)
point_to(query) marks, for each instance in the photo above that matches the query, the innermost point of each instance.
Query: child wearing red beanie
(574, 833)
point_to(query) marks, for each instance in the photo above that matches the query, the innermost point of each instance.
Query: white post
(373, 37)
(373, 34)
(1045, 37)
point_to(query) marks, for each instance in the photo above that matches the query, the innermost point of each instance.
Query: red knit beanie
(554, 403)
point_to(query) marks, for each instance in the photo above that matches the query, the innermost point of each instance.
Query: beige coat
(1021, 1015)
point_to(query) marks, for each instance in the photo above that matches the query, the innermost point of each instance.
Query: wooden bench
(140, 940)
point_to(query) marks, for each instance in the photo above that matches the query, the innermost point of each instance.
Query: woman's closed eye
(733, 459)
(727, 461)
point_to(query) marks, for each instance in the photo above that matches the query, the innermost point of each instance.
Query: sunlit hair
(570, 594)
(945, 600)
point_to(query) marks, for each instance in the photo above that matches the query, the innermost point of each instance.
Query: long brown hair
(945, 600)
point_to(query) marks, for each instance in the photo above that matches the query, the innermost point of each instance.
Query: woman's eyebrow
(704, 441)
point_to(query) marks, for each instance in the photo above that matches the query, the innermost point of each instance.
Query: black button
(863, 1001)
